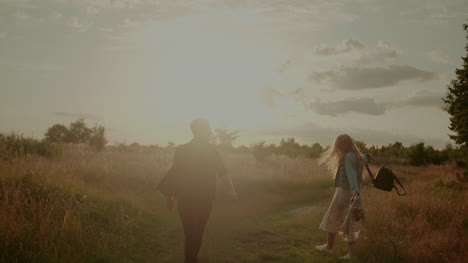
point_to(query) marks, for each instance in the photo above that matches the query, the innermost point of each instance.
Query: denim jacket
(349, 174)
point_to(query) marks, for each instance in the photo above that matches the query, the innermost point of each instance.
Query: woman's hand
(369, 157)
(354, 197)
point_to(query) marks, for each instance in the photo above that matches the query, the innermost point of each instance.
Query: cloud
(298, 95)
(20, 15)
(356, 78)
(422, 98)
(345, 47)
(360, 105)
(80, 26)
(34, 66)
(92, 10)
(332, 11)
(441, 58)
(47, 68)
(77, 115)
(119, 3)
(285, 66)
(106, 29)
(269, 97)
(425, 98)
(433, 12)
(21, 3)
(383, 51)
(131, 23)
(56, 15)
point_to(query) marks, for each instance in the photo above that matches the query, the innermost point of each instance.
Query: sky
(307, 69)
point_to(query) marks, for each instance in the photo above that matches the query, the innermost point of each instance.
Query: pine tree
(457, 102)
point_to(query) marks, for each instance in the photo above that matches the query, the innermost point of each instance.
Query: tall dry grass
(87, 206)
(80, 206)
(429, 224)
(72, 208)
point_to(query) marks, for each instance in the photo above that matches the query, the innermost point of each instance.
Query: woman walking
(344, 215)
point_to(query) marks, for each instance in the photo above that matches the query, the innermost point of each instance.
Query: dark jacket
(193, 173)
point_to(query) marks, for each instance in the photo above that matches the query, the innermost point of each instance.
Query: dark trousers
(194, 216)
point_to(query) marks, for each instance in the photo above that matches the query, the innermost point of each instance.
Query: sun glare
(215, 76)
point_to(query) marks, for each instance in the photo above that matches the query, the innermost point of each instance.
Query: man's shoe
(347, 257)
(325, 249)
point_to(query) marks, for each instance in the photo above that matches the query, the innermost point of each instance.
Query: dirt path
(276, 225)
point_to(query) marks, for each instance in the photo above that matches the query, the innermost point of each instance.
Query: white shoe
(347, 257)
(324, 248)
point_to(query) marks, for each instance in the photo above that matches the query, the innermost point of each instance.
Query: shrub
(418, 155)
(260, 151)
(98, 139)
(16, 146)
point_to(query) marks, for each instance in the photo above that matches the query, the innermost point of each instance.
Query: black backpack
(385, 180)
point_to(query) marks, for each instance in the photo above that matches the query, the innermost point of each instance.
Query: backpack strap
(371, 175)
(399, 183)
(370, 159)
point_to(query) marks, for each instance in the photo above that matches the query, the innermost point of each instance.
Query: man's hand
(170, 204)
(229, 186)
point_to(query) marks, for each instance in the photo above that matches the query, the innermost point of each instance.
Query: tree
(456, 102)
(395, 150)
(78, 132)
(243, 149)
(316, 150)
(98, 139)
(361, 146)
(57, 133)
(289, 147)
(418, 154)
(225, 138)
(260, 151)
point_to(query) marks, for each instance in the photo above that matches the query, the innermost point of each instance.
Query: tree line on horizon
(14, 146)
(79, 133)
(416, 154)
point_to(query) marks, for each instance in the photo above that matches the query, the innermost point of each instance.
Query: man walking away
(192, 182)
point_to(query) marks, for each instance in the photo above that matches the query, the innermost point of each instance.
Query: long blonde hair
(334, 156)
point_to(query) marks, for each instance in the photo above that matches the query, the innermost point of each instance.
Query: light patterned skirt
(334, 219)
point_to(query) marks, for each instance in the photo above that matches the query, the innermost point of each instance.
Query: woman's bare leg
(352, 249)
(331, 240)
